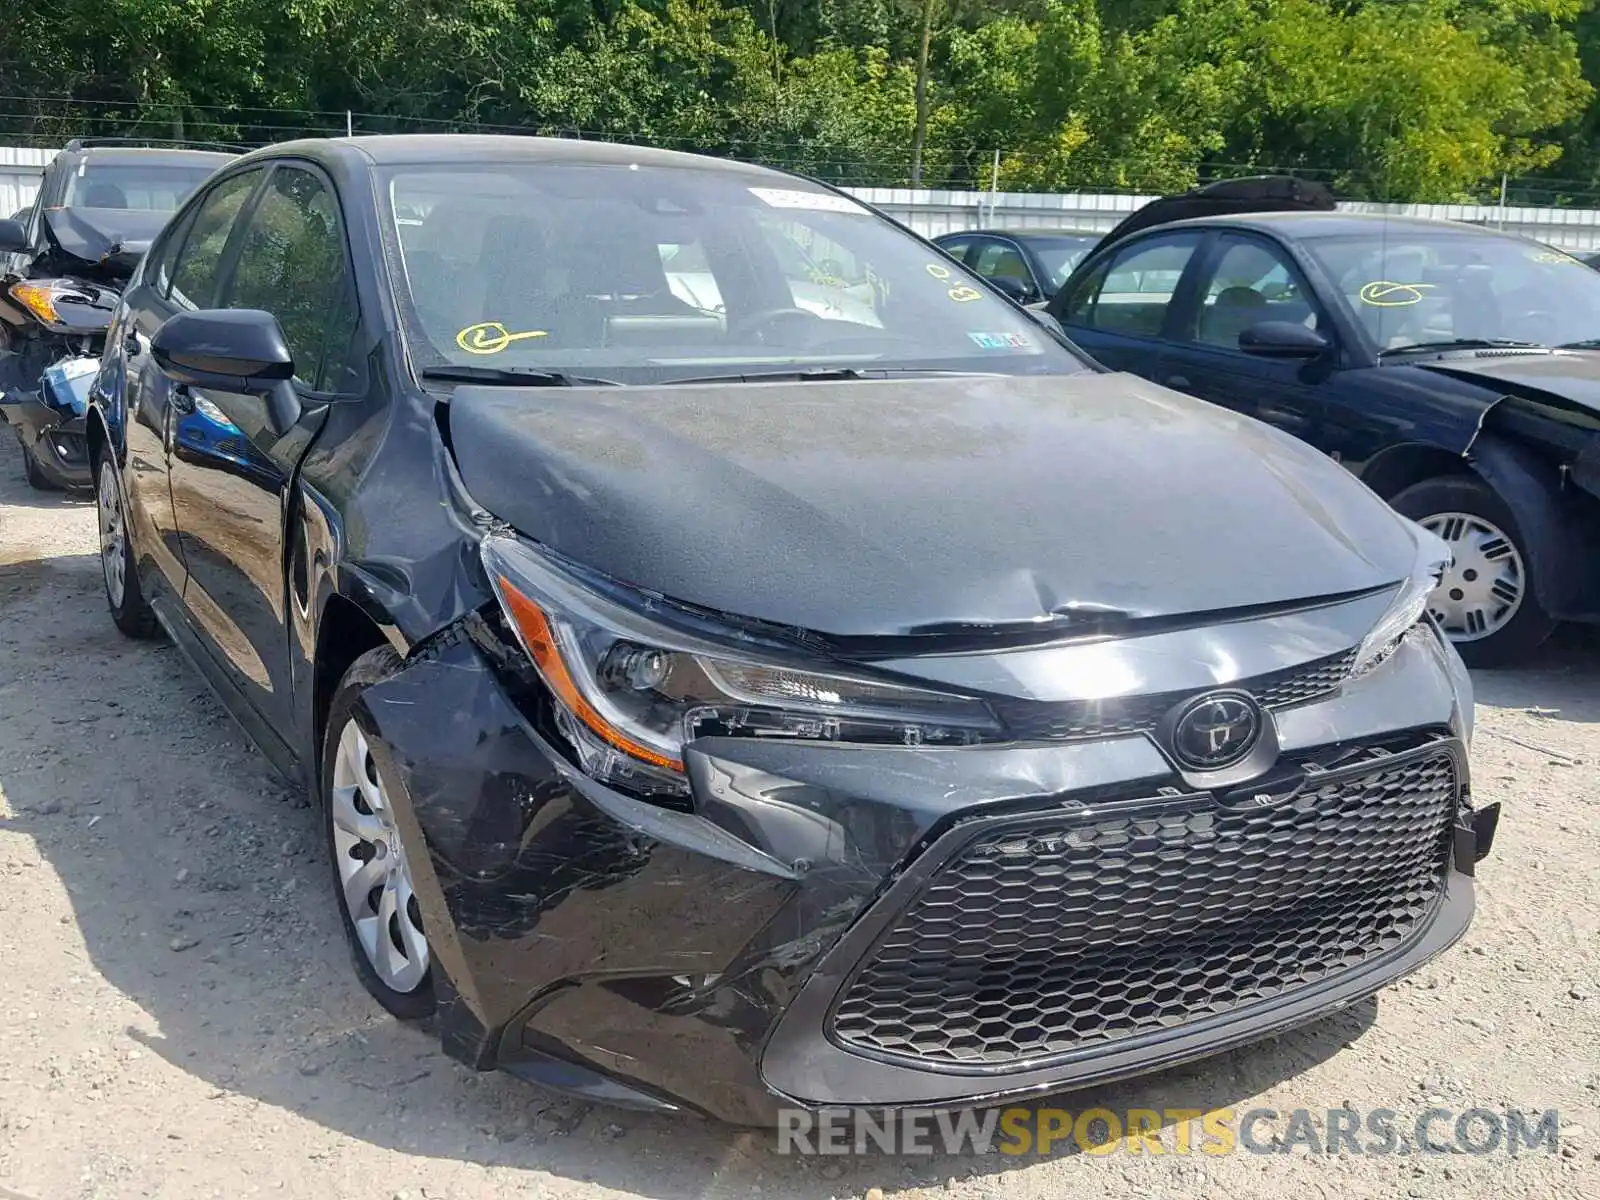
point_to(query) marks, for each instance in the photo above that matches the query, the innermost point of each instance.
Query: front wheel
(371, 865)
(1485, 603)
(34, 473)
(129, 609)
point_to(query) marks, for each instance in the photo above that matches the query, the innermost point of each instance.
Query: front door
(1244, 281)
(182, 273)
(231, 472)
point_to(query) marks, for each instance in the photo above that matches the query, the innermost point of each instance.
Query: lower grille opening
(1048, 934)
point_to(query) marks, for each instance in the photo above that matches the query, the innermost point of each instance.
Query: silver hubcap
(1483, 589)
(372, 868)
(112, 534)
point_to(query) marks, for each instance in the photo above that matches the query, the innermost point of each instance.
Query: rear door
(1243, 280)
(231, 473)
(1121, 309)
(182, 272)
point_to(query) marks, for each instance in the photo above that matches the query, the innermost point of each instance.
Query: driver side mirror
(237, 350)
(1283, 339)
(13, 237)
(1014, 289)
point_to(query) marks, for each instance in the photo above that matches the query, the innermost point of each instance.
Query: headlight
(629, 692)
(1408, 606)
(39, 297)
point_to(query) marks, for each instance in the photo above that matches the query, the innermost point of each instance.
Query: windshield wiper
(520, 376)
(815, 374)
(1463, 344)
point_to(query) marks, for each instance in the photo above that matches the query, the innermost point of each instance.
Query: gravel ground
(180, 1020)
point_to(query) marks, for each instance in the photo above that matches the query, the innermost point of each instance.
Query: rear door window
(198, 267)
(1131, 292)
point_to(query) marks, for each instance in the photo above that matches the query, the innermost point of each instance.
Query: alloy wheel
(374, 875)
(113, 534)
(1483, 588)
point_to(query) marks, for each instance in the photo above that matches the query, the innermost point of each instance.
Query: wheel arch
(1558, 542)
(1398, 467)
(345, 631)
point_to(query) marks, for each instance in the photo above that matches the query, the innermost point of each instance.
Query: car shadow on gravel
(196, 881)
(1560, 681)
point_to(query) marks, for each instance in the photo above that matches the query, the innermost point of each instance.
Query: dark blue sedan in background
(1453, 369)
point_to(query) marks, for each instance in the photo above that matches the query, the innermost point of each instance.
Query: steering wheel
(757, 323)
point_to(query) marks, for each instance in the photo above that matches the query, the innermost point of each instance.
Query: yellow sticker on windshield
(491, 337)
(1380, 293)
(962, 294)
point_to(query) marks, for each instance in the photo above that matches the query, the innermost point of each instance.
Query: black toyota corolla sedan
(1453, 369)
(720, 694)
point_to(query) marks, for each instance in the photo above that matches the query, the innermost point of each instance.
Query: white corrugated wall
(20, 167)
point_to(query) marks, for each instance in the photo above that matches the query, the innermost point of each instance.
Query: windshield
(644, 275)
(155, 187)
(1411, 286)
(1059, 255)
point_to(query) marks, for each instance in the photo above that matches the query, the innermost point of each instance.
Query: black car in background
(1453, 369)
(721, 707)
(62, 264)
(1029, 265)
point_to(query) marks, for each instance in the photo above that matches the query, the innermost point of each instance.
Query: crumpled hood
(883, 508)
(91, 234)
(1566, 374)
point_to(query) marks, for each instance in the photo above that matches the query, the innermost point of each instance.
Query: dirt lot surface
(179, 1019)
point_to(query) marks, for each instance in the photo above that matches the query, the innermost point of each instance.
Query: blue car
(1453, 369)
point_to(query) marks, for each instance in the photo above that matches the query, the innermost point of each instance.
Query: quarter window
(292, 264)
(1131, 292)
(199, 261)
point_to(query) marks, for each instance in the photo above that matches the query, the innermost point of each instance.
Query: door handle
(182, 401)
(1177, 381)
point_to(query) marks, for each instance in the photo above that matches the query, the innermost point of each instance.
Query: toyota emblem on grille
(1216, 730)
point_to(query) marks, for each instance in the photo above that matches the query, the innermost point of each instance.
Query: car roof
(1324, 224)
(134, 155)
(419, 149)
(1024, 234)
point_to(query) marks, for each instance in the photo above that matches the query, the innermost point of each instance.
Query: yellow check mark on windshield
(491, 337)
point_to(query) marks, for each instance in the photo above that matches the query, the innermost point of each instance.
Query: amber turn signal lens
(40, 301)
(540, 640)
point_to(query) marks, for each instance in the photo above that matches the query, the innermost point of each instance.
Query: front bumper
(637, 955)
(56, 439)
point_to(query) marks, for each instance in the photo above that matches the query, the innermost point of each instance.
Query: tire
(124, 597)
(35, 475)
(1473, 603)
(388, 948)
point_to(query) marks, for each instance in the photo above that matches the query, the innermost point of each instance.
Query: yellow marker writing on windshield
(491, 337)
(1380, 293)
(938, 271)
(961, 293)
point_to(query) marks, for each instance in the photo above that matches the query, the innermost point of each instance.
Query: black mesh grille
(1061, 932)
(1030, 721)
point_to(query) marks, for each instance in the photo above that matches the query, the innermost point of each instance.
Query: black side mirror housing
(229, 349)
(238, 350)
(13, 237)
(1014, 289)
(1283, 339)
